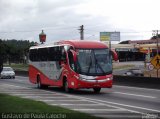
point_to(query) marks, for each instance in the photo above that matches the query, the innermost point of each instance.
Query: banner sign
(104, 36)
(109, 36)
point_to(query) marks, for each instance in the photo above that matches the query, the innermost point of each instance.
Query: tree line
(14, 51)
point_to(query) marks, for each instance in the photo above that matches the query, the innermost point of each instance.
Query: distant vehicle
(7, 72)
(134, 72)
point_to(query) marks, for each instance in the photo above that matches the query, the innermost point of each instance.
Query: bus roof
(44, 46)
(75, 44)
(84, 44)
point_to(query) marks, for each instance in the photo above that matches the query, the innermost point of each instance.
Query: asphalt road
(117, 102)
(136, 65)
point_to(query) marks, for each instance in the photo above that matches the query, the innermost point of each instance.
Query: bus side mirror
(114, 55)
(74, 55)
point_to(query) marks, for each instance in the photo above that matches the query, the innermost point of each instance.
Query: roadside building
(136, 50)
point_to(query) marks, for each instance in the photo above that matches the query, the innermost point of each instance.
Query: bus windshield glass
(94, 62)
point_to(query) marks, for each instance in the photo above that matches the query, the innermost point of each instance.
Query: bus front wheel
(97, 90)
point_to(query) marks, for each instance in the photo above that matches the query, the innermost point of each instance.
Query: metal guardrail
(146, 82)
(21, 73)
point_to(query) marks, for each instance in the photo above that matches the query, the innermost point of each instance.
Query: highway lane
(121, 71)
(115, 102)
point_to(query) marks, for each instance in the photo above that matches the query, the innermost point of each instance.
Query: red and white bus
(72, 64)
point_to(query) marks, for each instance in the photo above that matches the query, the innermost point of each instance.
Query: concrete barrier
(21, 73)
(146, 82)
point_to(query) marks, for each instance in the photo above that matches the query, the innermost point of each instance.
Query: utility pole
(81, 32)
(155, 33)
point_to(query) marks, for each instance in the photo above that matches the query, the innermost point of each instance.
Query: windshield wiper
(90, 64)
(99, 66)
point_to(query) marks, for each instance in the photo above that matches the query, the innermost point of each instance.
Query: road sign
(114, 36)
(150, 67)
(104, 36)
(110, 36)
(156, 62)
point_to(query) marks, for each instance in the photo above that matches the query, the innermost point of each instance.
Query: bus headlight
(81, 77)
(72, 83)
(110, 78)
(84, 77)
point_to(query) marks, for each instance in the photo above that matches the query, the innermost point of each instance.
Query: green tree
(154, 37)
(16, 50)
(2, 53)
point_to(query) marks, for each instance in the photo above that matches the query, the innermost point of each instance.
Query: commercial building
(136, 50)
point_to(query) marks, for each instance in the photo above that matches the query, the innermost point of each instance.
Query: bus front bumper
(103, 83)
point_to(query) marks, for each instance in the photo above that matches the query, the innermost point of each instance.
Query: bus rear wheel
(39, 84)
(97, 90)
(66, 88)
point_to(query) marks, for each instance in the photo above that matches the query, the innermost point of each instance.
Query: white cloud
(61, 18)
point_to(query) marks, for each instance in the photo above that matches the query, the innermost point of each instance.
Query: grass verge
(18, 67)
(13, 106)
(123, 67)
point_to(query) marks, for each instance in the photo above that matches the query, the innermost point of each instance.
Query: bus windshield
(94, 62)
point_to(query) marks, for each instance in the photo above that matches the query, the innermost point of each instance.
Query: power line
(66, 28)
(47, 28)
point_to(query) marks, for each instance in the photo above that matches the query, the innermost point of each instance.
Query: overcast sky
(60, 19)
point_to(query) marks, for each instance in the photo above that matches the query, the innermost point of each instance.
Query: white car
(7, 72)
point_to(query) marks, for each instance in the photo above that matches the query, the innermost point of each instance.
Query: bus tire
(39, 84)
(97, 90)
(66, 88)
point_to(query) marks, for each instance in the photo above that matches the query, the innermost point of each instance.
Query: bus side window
(43, 54)
(51, 54)
(33, 55)
(54, 53)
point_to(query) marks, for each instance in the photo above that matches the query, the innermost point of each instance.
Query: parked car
(133, 72)
(7, 72)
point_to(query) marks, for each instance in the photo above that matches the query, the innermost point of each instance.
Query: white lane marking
(102, 102)
(62, 100)
(19, 91)
(20, 80)
(28, 94)
(95, 101)
(68, 104)
(88, 110)
(131, 87)
(22, 77)
(90, 101)
(145, 96)
(125, 105)
(47, 97)
(14, 86)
